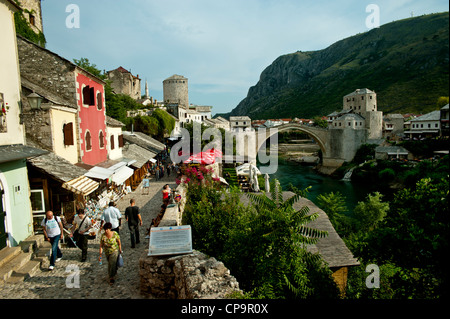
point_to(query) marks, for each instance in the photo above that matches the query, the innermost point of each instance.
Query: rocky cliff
(406, 62)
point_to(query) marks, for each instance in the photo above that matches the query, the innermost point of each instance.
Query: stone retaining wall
(193, 276)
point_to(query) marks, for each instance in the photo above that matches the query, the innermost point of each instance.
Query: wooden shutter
(68, 133)
(112, 142)
(92, 96)
(101, 139)
(121, 140)
(88, 141)
(86, 95)
(99, 101)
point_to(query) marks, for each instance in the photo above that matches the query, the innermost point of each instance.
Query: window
(101, 139)
(68, 134)
(88, 95)
(111, 142)
(32, 20)
(99, 101)
(362, 97)
(88, 141)
(37, 201)
(121, 140)
(370, 97)
(436, 125)
(429, 125)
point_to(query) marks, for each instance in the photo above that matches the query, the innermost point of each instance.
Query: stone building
(393, 125)
(16, 223)
(175, 90)
(364, 103)
(240, 123)
(33, 13)
(123, 82)
(68, 85)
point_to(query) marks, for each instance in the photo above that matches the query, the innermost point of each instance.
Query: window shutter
(88, 141)
(101, 139)
(121, 140)
(99, 101)
(86, 95)
(68, 133)
(112, 142)
(91, 96)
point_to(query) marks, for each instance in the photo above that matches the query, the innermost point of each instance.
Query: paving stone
(93, 283)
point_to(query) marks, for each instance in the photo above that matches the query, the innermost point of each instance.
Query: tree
(90, 67)
(414, 236)
(442, 101)
(370, 212)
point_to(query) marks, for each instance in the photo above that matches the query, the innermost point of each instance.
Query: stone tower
(33, 13)
(175, 90)
(147, 95)
(364, 103)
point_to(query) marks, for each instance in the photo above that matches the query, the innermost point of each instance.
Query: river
(302, 176)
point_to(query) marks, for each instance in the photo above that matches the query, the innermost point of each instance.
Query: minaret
(146, 90)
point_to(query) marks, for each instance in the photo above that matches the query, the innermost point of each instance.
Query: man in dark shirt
(134, 220)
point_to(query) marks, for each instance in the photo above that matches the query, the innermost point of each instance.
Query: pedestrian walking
(53, 229)
(111, 215)
(81, 226)
(133, 217)
(110, 243)
(166, 195)
(157, 173)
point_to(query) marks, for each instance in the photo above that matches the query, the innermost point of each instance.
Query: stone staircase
(23, 261)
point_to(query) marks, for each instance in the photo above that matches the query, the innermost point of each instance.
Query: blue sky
(220, 46)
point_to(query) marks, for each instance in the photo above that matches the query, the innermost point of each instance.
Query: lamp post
(34, 100)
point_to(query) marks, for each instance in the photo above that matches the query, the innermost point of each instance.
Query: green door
(3, 234)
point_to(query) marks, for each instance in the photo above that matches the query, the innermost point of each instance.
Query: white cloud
(221, 46)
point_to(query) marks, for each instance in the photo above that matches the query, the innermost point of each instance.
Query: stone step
(26, 271)
(8, 253)
(14, 264)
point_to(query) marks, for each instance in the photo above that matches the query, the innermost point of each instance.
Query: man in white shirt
(112, 215)
(53, 229)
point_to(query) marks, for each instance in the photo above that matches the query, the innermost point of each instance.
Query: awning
(81, 185)
(122, 174)
(99, 173)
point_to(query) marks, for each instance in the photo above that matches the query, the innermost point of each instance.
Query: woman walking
(110, 242)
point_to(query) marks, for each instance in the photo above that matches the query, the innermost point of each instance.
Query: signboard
(172, 240)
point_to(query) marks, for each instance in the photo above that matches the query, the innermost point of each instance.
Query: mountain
(405, 62)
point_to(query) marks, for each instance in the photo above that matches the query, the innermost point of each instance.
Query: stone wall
(193, 276)
(48, 71)
(184, 276)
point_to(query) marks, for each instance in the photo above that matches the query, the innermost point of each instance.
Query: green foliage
(24, 29)
(318, 121)
(91, 68)
(370, 212)
(414, 236)
(366, 152)
(394, 60)
(263, 244)
(442, 101)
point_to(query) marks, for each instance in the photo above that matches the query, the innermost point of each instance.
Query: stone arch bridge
(338, 145)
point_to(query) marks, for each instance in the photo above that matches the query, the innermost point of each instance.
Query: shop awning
(99, 173)
(81, 185)
(122, 174)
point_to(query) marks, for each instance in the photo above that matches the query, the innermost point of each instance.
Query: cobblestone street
(93, 277)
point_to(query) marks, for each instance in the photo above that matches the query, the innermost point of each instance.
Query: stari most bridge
(338, 145)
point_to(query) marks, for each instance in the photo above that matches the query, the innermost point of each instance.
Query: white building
(240, 123)
(425, 126)
(114, 138)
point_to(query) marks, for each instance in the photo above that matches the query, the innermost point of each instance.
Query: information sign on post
(172, 240)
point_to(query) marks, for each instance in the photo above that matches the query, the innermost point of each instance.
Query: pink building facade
(91, 119)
